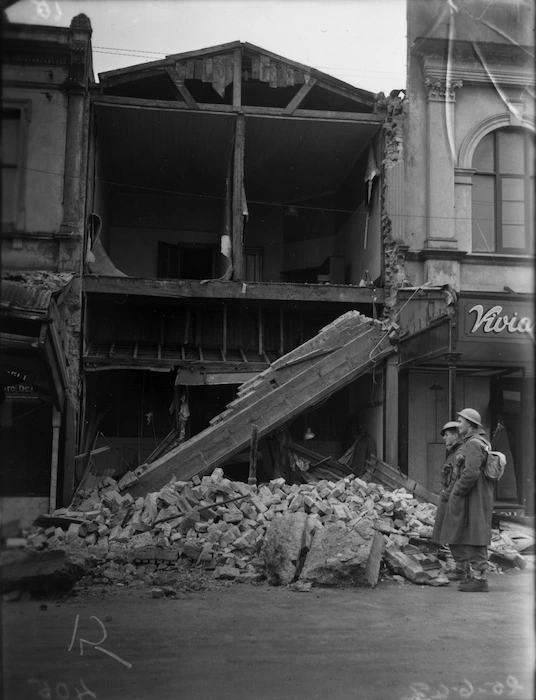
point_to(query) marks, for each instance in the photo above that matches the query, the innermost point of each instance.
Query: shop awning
(31, 352)
(424, 315)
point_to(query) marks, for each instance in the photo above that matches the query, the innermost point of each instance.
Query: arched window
(503, 193)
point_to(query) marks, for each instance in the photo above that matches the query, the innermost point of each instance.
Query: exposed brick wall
(25, 509)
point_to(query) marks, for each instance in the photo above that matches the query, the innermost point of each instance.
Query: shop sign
(497, 321)
(15, 374)
(20, 391)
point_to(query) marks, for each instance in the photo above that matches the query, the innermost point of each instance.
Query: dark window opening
(195, 262)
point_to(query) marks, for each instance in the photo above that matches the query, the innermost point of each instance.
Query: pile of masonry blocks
(329, 533)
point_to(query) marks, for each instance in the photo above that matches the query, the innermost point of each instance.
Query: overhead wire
(261, 202)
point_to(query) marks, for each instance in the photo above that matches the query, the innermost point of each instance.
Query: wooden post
(237, 79)
(261, 333)
(238, 188)
(224, 346)
(391, 411)
(253, 454)
(452, 360)
(280, 444)
(56, 424)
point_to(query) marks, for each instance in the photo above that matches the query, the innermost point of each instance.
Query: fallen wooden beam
(315, 459)
(357, 344)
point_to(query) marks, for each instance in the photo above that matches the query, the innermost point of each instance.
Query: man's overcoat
(469, 509)
(449, 476)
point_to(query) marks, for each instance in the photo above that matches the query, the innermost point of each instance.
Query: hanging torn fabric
(371, 173)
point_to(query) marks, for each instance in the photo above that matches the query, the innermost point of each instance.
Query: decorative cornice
(509, 64)
(463, 53)
(464, 176)
(442, 90)
(497, 259)
(436, 254)
(23, 58)
(467, 258)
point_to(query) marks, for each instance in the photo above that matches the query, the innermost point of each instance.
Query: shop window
(12, 163)
(503, 193)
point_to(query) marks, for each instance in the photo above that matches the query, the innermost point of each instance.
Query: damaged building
(241, 244)
(235, 212)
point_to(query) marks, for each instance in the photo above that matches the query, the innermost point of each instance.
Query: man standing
(467, 522)
(449, 476)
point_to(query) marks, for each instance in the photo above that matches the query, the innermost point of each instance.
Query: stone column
(440, 253)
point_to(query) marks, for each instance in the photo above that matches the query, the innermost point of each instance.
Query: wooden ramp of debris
(342, 351)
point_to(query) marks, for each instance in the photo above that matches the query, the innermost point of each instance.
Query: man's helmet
(451, 425)
(471, 415)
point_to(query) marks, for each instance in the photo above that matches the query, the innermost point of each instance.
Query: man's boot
(462, 572)
(478, 584)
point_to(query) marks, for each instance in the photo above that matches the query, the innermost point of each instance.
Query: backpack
(495, 462)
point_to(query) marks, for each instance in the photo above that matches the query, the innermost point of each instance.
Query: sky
(362, 42)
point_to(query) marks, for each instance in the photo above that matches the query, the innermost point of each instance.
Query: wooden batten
(276, 112)
(299, 96)
(220, 289)
(237, 80)
(183, 91)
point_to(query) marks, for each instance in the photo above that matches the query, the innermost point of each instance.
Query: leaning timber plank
(304, 388)
(391, 477)
(334, 333)
(335, 336)
(270, 412)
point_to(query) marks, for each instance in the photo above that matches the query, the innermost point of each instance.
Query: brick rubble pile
(222, 525)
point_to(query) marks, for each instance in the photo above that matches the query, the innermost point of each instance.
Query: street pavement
(399, 641)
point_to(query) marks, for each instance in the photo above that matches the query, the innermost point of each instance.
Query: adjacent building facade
(46, 72)
(192, 220)
(469, 223)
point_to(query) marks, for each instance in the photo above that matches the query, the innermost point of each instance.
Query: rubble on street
(347, 532)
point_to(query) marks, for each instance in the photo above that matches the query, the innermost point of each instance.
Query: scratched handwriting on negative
(61, 691)
(43, 10)
(422, 691)
(97, 644)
